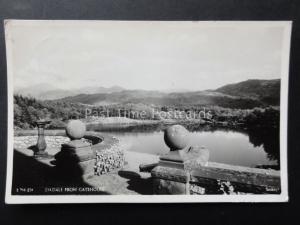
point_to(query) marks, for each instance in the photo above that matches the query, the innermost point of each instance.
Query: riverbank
(124, 121)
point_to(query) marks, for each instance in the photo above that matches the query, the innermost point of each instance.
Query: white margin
(33, 199)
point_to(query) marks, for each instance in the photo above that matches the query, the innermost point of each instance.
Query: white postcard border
(32, 199)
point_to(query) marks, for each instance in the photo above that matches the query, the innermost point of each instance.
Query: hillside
(247, 94)
(267, 91)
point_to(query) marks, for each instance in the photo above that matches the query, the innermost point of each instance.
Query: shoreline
(125, 121)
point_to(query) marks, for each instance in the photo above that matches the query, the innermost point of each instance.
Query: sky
(144, 55)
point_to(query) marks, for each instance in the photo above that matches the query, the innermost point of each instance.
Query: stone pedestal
(41, 144)
(172, 174)
(76, 158)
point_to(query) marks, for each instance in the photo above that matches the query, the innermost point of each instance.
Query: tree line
(28, 110)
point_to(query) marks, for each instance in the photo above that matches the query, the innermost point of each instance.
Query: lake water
(226, 146)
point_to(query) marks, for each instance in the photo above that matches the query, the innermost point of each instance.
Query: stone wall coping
(107, 141)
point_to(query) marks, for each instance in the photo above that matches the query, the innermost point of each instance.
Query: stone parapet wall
(108, 151)
(27, 141)
(109, 160)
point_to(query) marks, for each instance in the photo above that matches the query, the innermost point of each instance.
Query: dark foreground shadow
(137, 183)
(33, 148)
(32, 177)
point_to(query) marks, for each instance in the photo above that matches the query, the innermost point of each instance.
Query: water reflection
(247, 147)
(269, 139)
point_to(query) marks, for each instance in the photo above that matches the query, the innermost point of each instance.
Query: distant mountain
(95, 90)
(125, 96)
(45, 91)
(247, 94)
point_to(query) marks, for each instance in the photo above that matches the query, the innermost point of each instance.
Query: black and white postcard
(147, 111)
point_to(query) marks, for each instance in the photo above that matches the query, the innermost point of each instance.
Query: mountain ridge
(45, 91)
(246, 94)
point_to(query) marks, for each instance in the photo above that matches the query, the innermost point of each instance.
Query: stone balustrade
(187, 170)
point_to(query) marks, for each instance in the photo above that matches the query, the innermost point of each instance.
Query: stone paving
(127, 180)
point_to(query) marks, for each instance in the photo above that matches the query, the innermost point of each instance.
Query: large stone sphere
(176, 137)
(75, 129)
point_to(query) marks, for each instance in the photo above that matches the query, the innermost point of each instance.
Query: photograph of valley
(146, 108)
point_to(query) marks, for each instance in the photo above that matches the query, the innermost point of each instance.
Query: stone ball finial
(75, 129)
(176, 137)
